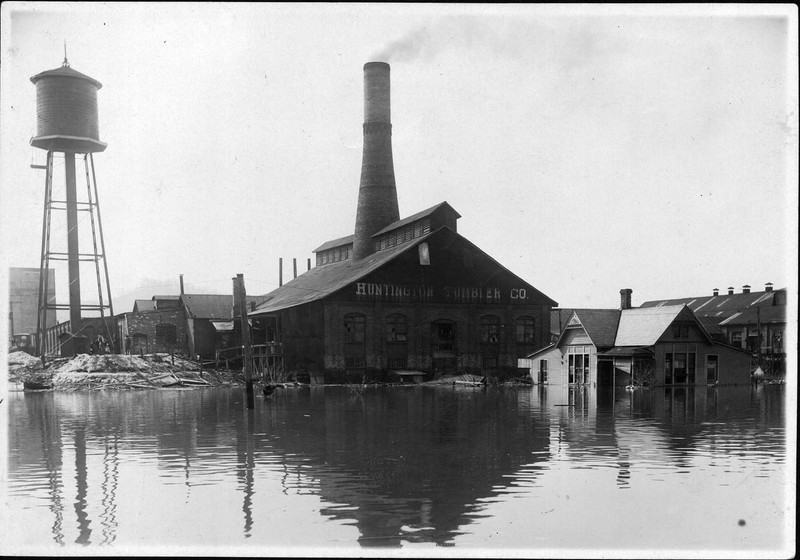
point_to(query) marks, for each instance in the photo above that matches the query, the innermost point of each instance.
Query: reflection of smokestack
(377, 193)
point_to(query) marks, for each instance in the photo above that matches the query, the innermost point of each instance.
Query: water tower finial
(66, 62)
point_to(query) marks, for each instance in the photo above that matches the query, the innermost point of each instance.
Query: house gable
(685, 327)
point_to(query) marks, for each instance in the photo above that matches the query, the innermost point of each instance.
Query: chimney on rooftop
(730, 290)
(377, 192)
(768, 287)
(716, 292)
(745, 289)
(625, 298)
(181, 284)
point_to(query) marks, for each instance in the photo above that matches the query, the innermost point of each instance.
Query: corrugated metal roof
(321, 281)
(644, 326)
(754, 315)
(723, 302)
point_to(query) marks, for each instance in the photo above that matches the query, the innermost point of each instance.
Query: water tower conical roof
(67, 72)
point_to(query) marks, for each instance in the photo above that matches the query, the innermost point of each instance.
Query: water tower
(67, 123)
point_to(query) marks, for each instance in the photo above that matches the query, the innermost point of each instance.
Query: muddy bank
(115, 371)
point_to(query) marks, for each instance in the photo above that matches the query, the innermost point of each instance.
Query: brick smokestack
(625, 298)
(377, 193)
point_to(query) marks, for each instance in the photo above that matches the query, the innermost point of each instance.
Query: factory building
(400, 298)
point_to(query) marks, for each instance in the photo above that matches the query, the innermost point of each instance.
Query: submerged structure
(400, 297)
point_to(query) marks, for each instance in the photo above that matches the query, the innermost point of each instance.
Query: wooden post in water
(240, 299)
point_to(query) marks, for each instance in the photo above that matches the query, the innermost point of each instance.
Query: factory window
(383, 243)
(396, 346)
(389, 240)
(354, 338)
(355, 326)
(409, 233)
(338, 254)
(736, 339)
(325, 257)
(426, 226)
(399, 237)
(490, 337)
(525, 334)
(166, 334)
(490, 329)
(443, 336)
(396, 328)
(377, 246)
(319, 259)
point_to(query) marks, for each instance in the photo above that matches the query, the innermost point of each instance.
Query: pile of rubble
(115, 371)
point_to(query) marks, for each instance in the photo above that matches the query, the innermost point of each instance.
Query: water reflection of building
(414, 464)
(411, 465)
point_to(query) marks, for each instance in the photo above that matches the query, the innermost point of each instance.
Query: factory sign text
(371, 291)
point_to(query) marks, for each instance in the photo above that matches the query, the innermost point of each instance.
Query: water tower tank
(66, 111)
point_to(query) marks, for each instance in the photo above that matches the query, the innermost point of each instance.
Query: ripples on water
(532, 469)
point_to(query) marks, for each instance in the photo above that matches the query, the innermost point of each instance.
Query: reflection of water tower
(66, 116)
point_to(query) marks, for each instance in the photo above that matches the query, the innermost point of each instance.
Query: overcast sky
(587, 148)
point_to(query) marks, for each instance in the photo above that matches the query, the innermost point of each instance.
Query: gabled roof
(208, 306)
(600, 325)
(346, 240)
(644, 326)
(322, 281)
(143, 306)
(415, 217)
(213, 306)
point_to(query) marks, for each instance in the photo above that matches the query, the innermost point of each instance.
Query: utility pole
(240, 300)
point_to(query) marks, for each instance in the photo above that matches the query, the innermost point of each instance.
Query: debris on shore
(115, 371)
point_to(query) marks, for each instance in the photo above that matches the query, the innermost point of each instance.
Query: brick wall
(146, 324)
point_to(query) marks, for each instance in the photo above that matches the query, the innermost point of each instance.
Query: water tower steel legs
(44, 262)
(73, 258)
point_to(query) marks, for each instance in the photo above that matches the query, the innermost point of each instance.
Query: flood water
(532, 471)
